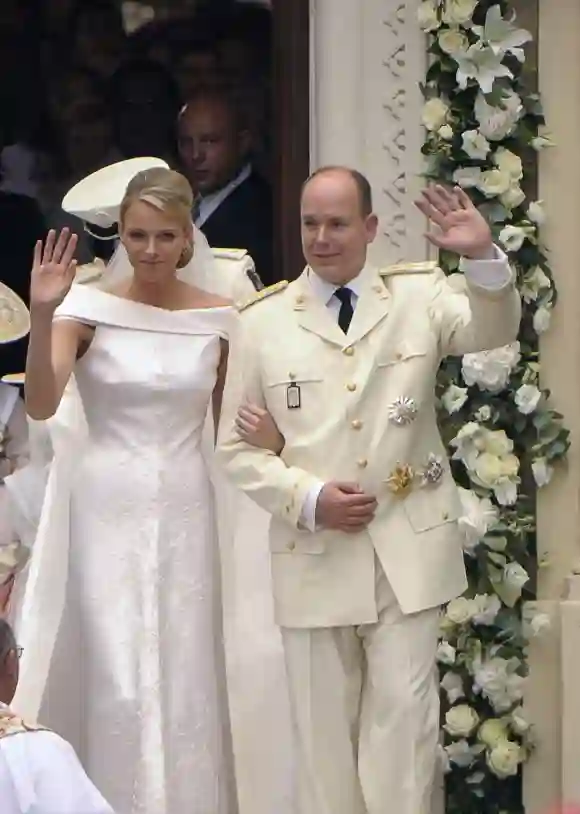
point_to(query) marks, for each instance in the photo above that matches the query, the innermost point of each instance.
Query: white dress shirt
(41, 774)
(492, 274)
(209, 203)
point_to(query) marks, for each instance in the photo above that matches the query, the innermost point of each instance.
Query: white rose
(496, 123)
(512, 237)
(467, 177)
(459, 12)
(534, 282)
(505, 758)
(515, 576)
(446, 653)
(498, 443)
(527, 397)
(427, 16)
(542, 472)
(453, 686)
(542, 319)
(454, 398)
(484, 413)
(494, 182)
(479, 516)
(452, 41)
(536, 213)
(487, 471)
(486, 609)
(497, 681)
(490, 369)
(512, 197)
(475, 145)
(459, 611)
(492, 731)
(434, 114)
(509, 162)
(460, 721)
(460, 753)
(445, 132)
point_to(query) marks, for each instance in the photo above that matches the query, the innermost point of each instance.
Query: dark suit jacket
(21, 225)
(244, 221)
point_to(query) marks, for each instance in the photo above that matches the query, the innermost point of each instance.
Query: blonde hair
(166, 190)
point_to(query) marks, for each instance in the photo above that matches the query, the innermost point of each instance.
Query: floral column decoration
(482, 124)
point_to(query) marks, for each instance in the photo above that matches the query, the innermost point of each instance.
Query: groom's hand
(344, 507)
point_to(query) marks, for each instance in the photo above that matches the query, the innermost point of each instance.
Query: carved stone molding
(367, 61)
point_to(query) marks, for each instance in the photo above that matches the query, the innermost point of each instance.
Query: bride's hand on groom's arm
(256, 426)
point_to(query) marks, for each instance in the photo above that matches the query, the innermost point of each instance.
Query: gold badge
(401, 479)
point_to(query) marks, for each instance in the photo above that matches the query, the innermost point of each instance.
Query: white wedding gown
(137, 679)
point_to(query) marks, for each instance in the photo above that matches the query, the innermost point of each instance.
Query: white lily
(482, 64)
(501, 35)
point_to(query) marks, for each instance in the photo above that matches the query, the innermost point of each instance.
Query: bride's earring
(186, 254)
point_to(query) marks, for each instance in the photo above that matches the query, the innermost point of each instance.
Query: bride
(136, 678)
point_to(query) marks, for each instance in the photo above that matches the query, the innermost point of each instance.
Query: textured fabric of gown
(137, 676)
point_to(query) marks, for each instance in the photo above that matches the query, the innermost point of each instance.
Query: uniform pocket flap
(427, 510)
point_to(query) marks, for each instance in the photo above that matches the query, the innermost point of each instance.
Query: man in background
(234, 210)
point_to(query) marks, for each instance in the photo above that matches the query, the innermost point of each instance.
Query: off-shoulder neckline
(160, 308)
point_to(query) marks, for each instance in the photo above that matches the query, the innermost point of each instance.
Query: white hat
(97, 198)
(14, 316)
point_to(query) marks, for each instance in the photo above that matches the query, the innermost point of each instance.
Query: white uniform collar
(325, 290)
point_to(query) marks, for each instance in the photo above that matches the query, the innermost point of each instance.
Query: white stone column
(553, 696)
(368, 57)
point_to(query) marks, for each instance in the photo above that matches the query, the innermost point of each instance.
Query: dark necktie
(344, 295)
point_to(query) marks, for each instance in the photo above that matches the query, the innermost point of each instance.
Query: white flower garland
(503, 436)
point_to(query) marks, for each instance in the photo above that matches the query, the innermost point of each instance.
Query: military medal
(293, 400)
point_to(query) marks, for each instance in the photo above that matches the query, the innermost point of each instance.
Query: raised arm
(486, 312)
(53, 347)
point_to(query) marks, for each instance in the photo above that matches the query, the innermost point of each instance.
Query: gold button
(348, 351)
(445, 515)
(291, 546)
(398, 356)
(362, 464)
(351, 386)
(356, 424)
(292, 376)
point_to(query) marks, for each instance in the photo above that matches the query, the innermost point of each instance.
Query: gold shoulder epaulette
(229, 254)
(425, 267)
(264, 294)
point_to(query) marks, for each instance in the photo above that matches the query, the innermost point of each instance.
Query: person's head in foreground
(155, 225)
(338, 223)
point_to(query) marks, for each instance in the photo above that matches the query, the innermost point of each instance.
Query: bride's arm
(256, 426)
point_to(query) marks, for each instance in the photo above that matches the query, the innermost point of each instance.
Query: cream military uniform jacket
(358, 407)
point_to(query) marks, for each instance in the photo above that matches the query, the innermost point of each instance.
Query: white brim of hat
(14, 378)
(14, 316)
(97, 198)
(90, 272)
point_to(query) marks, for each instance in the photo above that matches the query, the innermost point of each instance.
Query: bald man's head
(214, 139)
(337, 223)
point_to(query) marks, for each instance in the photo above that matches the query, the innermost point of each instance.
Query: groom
(365, 545)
